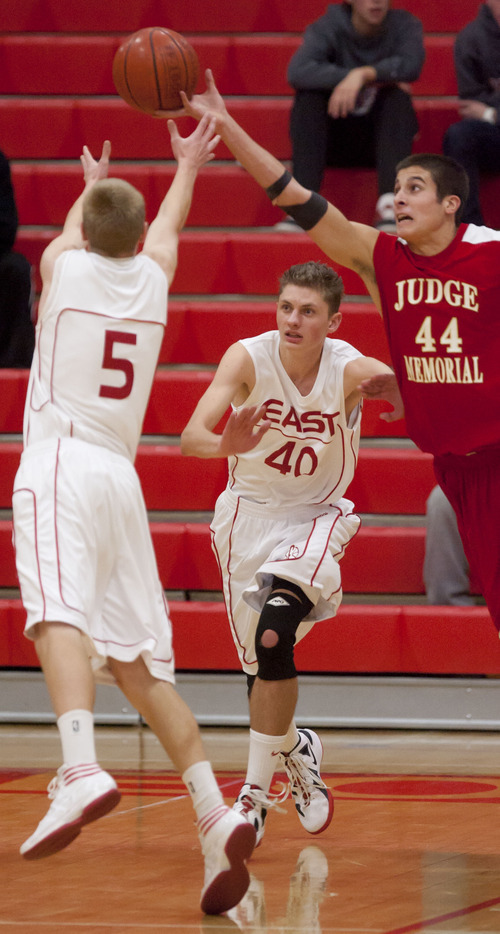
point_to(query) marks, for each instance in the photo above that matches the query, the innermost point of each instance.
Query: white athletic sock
(76, 729)
(262, 759)
(201, 783)
(291, 738)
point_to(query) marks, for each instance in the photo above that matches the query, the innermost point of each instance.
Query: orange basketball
(151, 66)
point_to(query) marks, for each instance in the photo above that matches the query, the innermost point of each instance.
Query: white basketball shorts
(254, 542)
(84, 553)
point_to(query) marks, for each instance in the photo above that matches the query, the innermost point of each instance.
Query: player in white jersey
(86, 566)
(282, 524)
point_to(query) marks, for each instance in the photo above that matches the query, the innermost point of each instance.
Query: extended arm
(191, 153)
(71, 237)
(232, 383)
(356, 372)
(384, 386)
(344, 242)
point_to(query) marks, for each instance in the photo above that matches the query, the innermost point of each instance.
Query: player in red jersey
(437, 285)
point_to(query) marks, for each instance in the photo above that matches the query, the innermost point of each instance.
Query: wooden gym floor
(414, 844)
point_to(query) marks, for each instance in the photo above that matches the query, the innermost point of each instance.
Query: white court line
(155, 804)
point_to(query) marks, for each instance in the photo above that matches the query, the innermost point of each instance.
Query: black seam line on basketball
(183, 56)
(153, 56)
(125, 75)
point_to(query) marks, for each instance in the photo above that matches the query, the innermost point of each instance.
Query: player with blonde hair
(87, 570)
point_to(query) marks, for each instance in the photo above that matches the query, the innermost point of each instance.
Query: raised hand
(384, 386)
(198, 148)
(93, 171)
(242, 431)
(208, 102)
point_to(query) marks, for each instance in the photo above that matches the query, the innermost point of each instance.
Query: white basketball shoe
(313, 800)
(227, 841)
(253, 804)
(79, 794)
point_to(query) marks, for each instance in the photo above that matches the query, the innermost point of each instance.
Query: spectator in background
(352, 103)
(17, 332)
(475, 140)
(446, 569)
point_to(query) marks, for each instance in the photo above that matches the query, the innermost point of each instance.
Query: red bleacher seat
(233, 264)
(171, 481)
(73, 16)
(61, 125)
(379, 559)
(174, 396)
(201, 331)
(361, 639)
(251, 65)
(226, 196)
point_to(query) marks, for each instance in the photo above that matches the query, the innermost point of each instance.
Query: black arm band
(279, 185)
(307, 215)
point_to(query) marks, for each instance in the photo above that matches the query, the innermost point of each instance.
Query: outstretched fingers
(93, 170)
(384, 386)
(199, 145)
(242, 431)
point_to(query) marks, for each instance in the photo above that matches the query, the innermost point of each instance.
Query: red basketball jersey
(442, 319)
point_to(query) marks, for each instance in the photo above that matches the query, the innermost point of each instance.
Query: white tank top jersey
(96, 352)
(310, 452)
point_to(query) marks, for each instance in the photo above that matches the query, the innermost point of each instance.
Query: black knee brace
(275, 636)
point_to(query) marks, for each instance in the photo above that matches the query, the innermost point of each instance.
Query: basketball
(150, 68)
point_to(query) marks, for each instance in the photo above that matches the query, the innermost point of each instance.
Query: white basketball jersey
(96, 352)
(310, 452)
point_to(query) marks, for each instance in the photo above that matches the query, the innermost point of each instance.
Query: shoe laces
(65, 775)
(53, 787)
(300, 775)
(255, 797)
(55, 783)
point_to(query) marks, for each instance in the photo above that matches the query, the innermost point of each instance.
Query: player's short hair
(113, 217)
(449, 177)
(316, 276)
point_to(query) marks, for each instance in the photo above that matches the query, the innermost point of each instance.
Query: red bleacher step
(387, 480)
(246, 64)
(218, 262)
(360, 640)
(61, 125)
(226, 16)
(225, 195)
(174, 396)
(201, 331)
(379, 560)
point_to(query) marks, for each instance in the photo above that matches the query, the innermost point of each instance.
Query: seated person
(17, 332)
(475, 140)
(446, 569)
(352, 103)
